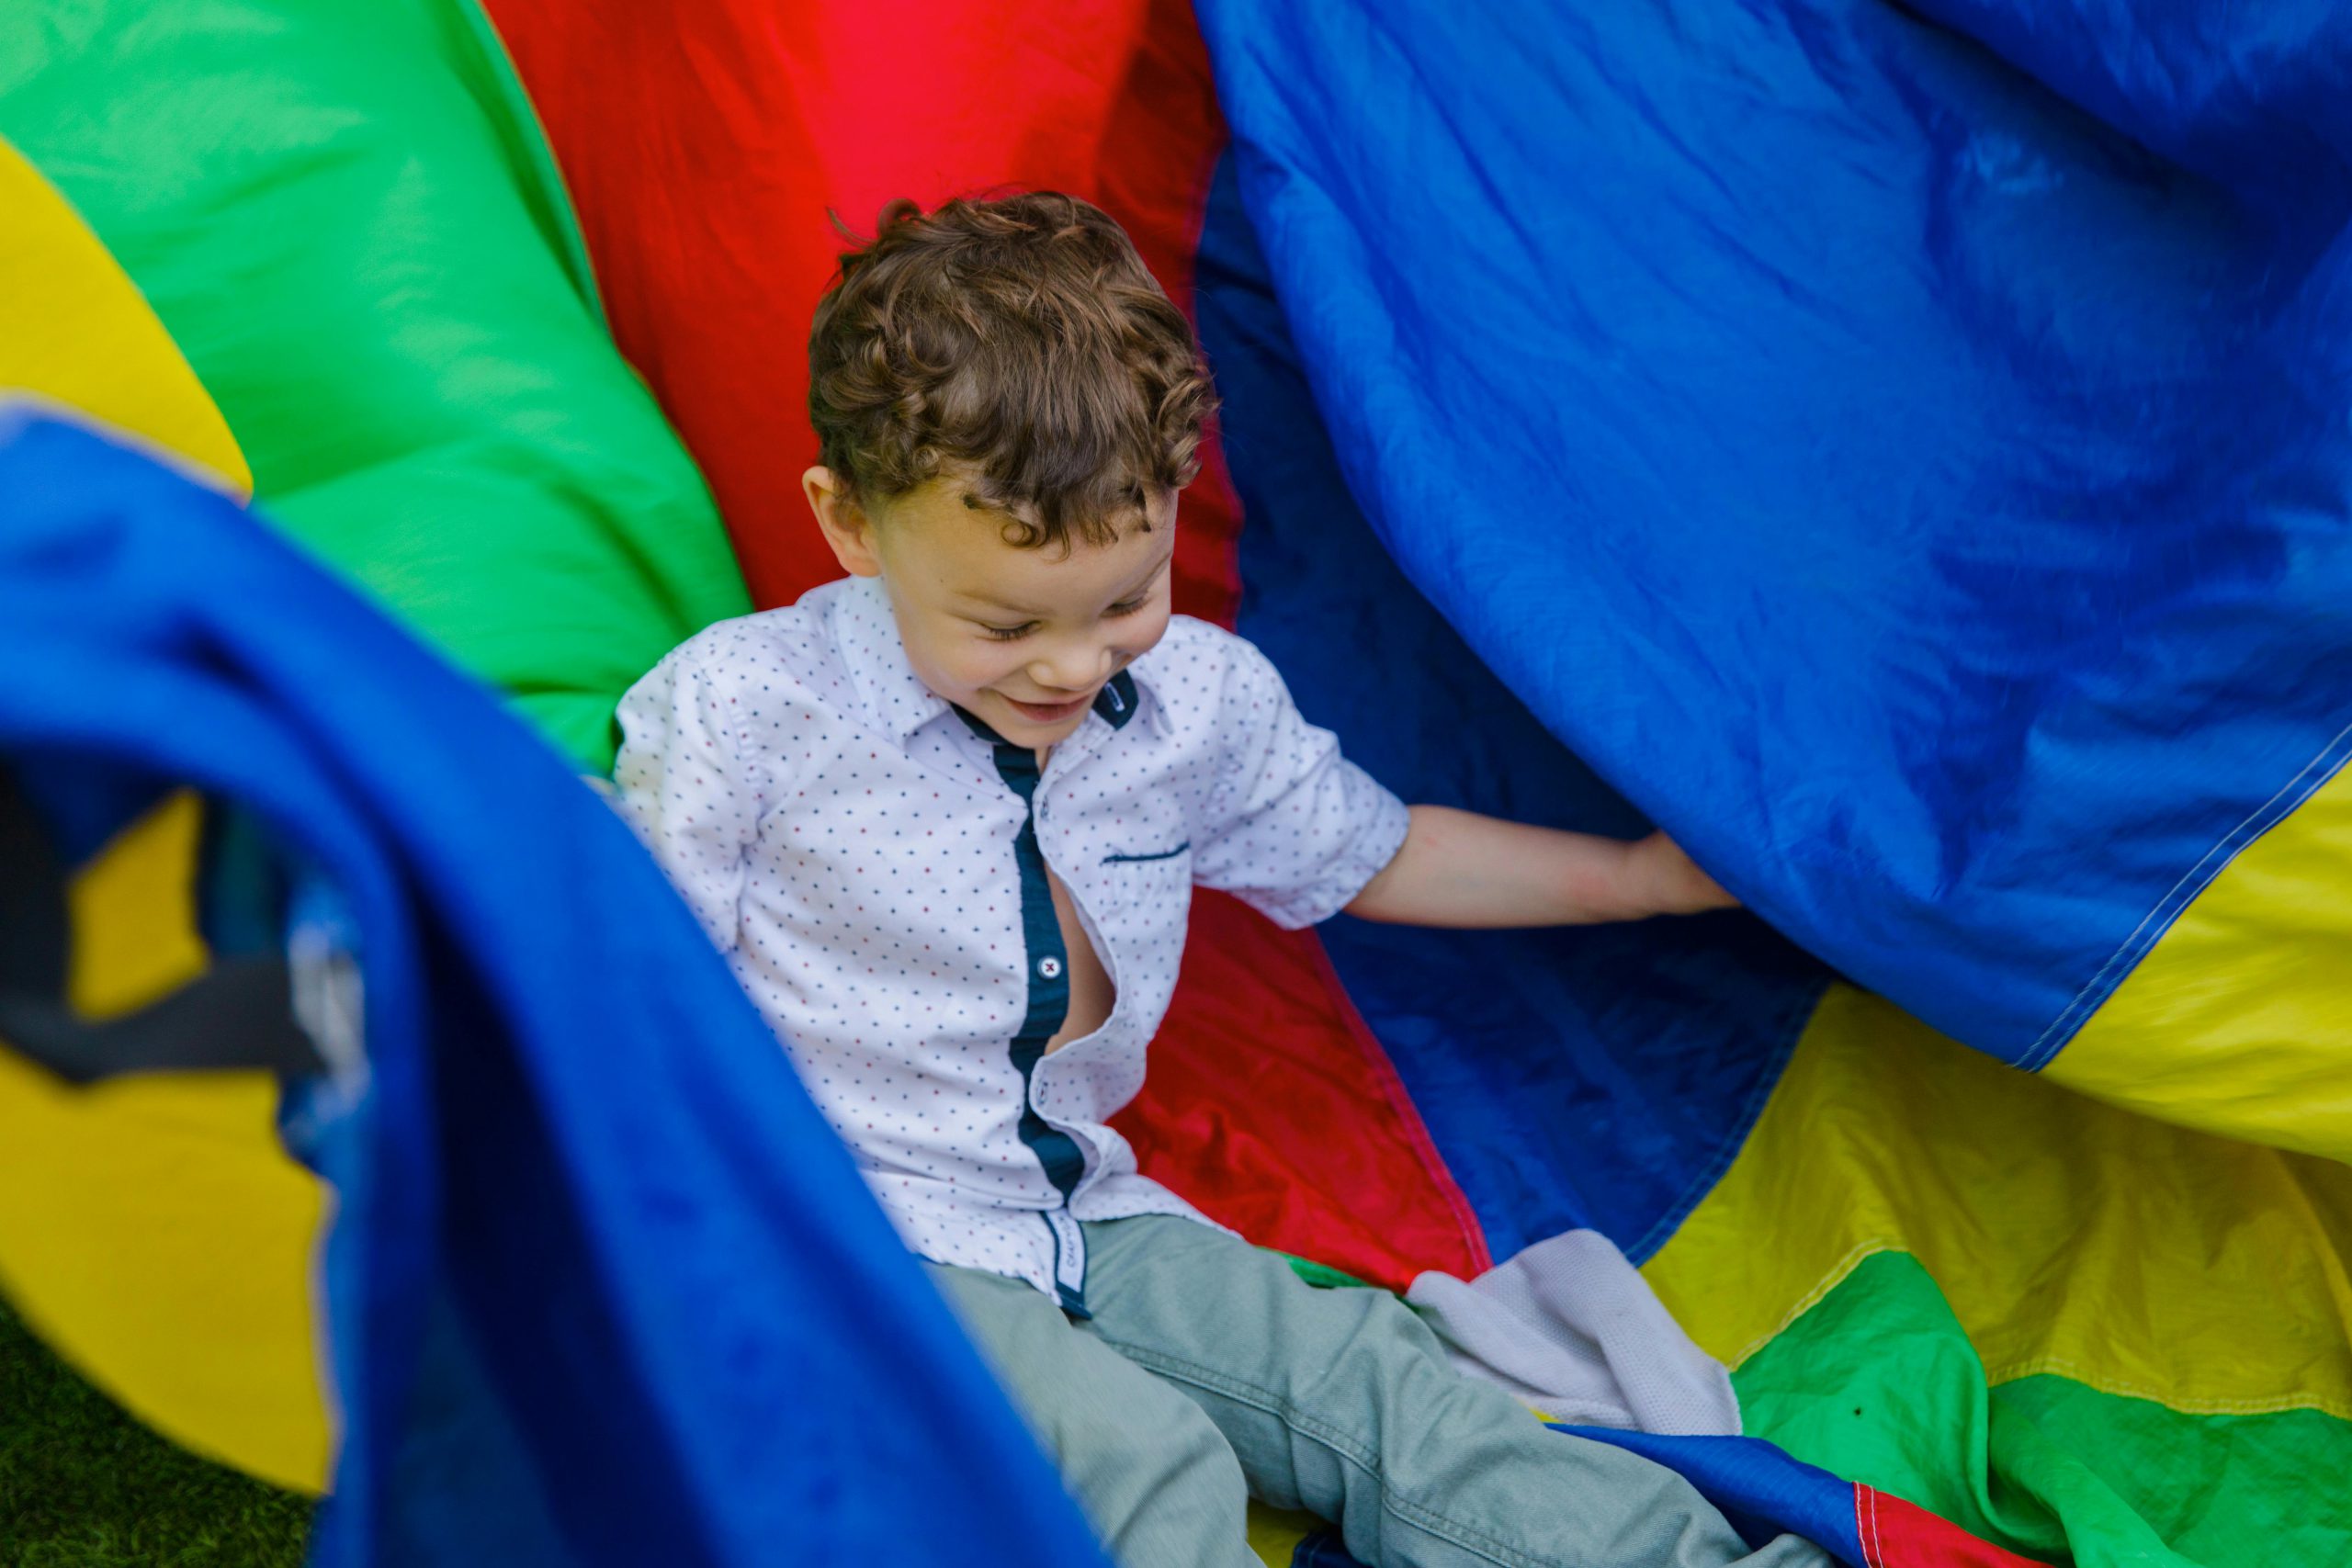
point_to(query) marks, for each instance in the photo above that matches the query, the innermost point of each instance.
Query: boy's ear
(846, 527)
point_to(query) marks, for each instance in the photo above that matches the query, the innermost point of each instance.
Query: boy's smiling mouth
(1048, 713)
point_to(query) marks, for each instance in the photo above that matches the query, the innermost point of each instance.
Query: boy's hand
(1669, 881)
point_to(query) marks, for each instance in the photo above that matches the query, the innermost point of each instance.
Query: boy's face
(1022, 638)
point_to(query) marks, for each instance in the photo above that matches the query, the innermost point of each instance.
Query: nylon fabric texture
(156, 1232)
(575, 1139)
(347, 222)
(2035, 1210)
(1934, 514)
(1878, 1382)
(706, 146)
(1906, 444)
(2061, 1260)
(2265, 1052)
(1595, 1076)
(202, 1326)
(718, 147)
(323, 251)
(74, 329)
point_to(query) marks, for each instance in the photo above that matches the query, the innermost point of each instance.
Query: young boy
(946, 817)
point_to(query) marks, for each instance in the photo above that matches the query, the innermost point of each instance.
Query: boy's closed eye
(1006, 634)
(1011, 634)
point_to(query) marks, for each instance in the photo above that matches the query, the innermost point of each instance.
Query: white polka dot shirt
(873, 869)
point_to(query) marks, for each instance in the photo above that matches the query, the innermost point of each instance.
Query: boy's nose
(1073, 670)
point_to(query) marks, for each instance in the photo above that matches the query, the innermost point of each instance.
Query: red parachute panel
(705, 144)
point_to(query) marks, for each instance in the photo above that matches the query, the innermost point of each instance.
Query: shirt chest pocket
(1147, 892)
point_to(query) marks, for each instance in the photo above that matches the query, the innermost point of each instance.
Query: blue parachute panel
(1599, 1077)
(579, 1184)
(1934, 511)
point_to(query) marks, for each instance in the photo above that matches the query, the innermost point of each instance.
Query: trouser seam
(1414, 1513)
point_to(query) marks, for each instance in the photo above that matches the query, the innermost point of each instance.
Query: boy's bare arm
(1460, 869)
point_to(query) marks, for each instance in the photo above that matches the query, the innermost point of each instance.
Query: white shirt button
(1050, 967)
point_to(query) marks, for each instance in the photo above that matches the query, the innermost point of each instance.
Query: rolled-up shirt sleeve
(684, 791)
(1293, 827)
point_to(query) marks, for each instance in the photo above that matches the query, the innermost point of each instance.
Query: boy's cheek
(1157, 629)
(959, 671)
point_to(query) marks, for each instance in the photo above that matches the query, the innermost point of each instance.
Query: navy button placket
(1049, 1008)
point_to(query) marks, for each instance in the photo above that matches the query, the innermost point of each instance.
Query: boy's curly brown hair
(1019, 344)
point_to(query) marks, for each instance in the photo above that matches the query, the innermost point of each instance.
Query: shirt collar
(1116, 703)
(897, 702)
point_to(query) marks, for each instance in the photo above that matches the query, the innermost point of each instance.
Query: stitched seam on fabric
(2059, 1366)
(2037, 1366)
(1791, 1025)
(1420, 1517)
(1874, 1544)
(1254, 1397)
(2175, 902)
(1812, 1298)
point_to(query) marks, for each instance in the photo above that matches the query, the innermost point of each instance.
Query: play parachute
(1904, 451)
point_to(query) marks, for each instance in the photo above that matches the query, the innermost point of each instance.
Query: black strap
(32, 900)
(238, 1013)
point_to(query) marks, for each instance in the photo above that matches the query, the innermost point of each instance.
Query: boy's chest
(1092, 993)
(910, 862)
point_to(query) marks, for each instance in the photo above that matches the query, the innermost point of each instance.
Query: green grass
(84, 1485)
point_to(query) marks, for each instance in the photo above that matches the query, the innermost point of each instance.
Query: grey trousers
(1210, 1372)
